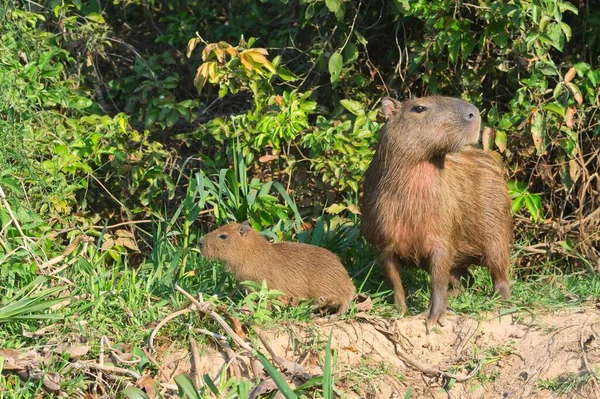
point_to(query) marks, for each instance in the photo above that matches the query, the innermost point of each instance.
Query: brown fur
(432, 200)
(299, 270)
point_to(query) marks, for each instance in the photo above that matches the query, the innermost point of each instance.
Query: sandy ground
(512, 356)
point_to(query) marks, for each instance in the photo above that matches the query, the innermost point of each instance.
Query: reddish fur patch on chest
(415, 226)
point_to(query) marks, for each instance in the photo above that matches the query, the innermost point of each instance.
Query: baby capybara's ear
(390, 106)
(244, 228)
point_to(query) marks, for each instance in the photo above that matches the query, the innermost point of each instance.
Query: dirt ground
(513, 356)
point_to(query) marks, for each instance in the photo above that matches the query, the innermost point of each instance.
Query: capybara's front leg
(389, 264)
(439, 266)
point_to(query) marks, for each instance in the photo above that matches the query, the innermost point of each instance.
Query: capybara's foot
(503, 289)
(401, 308)
(434, 319)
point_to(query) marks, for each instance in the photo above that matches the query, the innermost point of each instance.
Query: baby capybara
(432, 200)
(299, 270)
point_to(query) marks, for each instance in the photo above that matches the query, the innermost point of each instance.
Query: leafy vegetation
(128, 129)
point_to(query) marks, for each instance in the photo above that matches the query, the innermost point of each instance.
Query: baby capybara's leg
(389, 264)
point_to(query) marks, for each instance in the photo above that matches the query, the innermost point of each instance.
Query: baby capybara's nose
(201, 245)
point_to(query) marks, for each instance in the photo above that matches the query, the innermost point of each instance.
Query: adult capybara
(432, 200)
(299, 270)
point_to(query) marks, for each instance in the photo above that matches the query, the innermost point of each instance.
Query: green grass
(564, 383)
(124, 302)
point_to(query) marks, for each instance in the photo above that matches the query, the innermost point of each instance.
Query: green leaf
(566, 30)
(354, 107)
(186, 386)
(333, 5)
(134, 393)
(95, 17)
(566, 6)
(351, 53)
(555, 107)
(335, 209)
(501, 39)
(500, 140)
(361, 38)
(516, 204)
(336, 61)
(284, 388)
(328, 370)
(402, 5)
(532, 208)
(454, 47)
(286, 74)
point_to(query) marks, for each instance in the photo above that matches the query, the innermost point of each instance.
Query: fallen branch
(422, 368)
(107, 369)
(196, 358)
(162, 323)
(586, 362)
(15, 222)
(207, 309)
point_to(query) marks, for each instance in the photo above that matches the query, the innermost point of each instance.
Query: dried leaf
(570, 117)
(39, 333)
(574, 170)
(124, 233)
(191, 46)
(17, 361)
(365, 304)
(147, 384)
(209, 47)
(127, 243)
(266, 386)
(364, 316)
(237, 327)
(246, 61)
(570, 75)
(52, 382)
(108, 243)
(576, 92)
(487, 138)
(354, 209)
(268, 158)
(75, 352)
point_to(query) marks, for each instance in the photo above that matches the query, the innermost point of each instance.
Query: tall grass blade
(284, 388)
(134, 393)
(291, 204)
(328, 371)
(186, 387)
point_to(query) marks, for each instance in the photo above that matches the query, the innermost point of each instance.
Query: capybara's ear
(244, 228)
(390, 106)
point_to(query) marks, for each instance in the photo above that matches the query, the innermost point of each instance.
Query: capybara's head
(229, 243)
(430, 126)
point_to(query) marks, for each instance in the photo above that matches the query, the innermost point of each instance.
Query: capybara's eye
(223, 236)
(418, 109)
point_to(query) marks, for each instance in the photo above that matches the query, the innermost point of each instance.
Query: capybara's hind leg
(389, 264)
(460, 278)
(498, 267)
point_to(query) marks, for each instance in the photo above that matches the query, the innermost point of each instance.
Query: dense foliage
(140, 109)
(127, 128)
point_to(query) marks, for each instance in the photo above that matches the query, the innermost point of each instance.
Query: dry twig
(586, 362)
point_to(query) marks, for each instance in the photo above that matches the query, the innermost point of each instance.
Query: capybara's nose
(201, 244)
(470, 113)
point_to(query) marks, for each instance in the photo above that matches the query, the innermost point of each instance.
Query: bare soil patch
(511, 355)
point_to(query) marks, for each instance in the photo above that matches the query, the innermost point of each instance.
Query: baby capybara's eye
(223, 236)
(418, 109)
